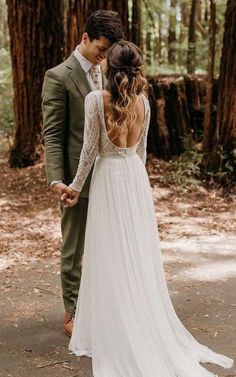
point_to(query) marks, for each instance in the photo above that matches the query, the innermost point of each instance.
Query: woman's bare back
(134, 133)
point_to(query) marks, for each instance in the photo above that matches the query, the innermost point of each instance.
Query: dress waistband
(121, 153)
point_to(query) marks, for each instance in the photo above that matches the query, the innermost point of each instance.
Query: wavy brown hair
(125, 81)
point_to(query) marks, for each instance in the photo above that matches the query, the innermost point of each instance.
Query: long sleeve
(90, 145)
(141, 149)
(54, 109)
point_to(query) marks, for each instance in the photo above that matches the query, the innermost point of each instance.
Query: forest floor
(197, 231)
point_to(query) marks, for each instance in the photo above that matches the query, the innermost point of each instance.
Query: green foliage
(220, 166)
(184, 170)
(6, 93)
(187, 171)
(157, 17)
(6, 90)
(192, 168)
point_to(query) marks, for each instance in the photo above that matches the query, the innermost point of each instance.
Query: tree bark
(148, 48)
(177, 116)
(171, 120)
(184, 12)
(208, 124)
(158, 135)
(199, 11)
(136, 23)
(191, 59)
(36, 45)
(159, 40)
(172, 33)
(78, 12)
(206, 11)
(121, 7)
(226, 106)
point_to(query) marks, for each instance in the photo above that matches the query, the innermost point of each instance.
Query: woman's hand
(69, 197)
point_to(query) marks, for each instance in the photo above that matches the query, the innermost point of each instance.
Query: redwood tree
(77, 13)
(208, 124)
(220, 156)
(136, 23)
(36, 45)
(172, 33)
(226, 106)
(191, 59)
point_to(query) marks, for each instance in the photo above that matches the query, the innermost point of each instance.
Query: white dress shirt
(86, 66)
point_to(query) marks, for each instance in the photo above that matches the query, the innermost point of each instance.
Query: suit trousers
(73, 225)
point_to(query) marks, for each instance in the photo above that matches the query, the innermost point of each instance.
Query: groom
(64, 90)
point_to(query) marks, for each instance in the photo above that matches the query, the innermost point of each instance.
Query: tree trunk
(148, 48)
(136, 23)
(184, 24)
(200, 21)
(208, 125)
(191, 59)
(206, 11)
(199, 11)
(79, 11)
(151, 36)
(36, 45)
(226, 106)
(121, 7)
(171, 122)
(172, 33)
(158, 135)
(184, 12)
(178, 118)
(159, 44)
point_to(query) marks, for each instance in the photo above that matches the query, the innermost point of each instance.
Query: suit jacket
(64, 90)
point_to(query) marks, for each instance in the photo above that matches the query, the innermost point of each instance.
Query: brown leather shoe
(68, 323)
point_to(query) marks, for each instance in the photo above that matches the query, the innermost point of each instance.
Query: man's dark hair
(104, 23)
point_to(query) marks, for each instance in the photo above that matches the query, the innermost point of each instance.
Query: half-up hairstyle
(125, 81)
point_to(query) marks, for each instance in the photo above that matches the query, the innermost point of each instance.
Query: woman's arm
(90, 144)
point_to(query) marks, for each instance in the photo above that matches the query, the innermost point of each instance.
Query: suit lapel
(78, 75)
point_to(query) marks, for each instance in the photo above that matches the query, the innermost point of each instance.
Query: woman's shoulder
(144, 96)
(106, 95)
(93, 97)
(93, 94)
(145, 99)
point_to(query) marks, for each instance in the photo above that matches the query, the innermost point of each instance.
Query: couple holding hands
(117, 306)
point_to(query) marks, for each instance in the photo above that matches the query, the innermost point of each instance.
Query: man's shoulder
(61, 69)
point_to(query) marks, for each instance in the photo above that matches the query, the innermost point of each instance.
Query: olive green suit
(64, 89)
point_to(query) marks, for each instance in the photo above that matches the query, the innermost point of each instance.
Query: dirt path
(32, 341)
(197, 230)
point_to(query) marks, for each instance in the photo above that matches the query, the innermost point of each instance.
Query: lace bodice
(96, 140)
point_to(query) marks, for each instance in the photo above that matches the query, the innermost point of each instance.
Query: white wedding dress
(125, 319)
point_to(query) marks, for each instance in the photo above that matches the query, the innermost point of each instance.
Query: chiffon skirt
(124, 318)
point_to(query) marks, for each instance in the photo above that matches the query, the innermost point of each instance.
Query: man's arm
(54, 113)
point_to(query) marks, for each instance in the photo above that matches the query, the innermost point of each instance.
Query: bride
(125, 319)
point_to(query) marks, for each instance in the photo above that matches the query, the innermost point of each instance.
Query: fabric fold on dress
(125, 319)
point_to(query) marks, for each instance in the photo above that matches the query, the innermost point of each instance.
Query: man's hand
(65, 194)
(69, 197)
(59, 189)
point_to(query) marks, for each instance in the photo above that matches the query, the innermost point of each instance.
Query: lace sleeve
(90, 144)
(141, 149)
